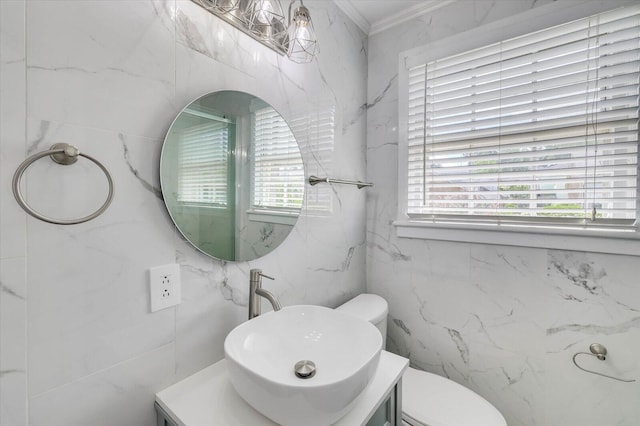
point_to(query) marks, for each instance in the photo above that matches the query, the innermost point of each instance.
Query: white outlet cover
(164, 286)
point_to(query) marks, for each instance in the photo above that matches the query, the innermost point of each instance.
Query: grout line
(102, 370)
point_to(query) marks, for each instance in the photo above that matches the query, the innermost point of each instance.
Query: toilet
(427, 399)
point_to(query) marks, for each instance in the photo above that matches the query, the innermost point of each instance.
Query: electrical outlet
(164, 286)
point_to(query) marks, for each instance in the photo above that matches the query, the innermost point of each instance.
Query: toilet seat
(432, 400)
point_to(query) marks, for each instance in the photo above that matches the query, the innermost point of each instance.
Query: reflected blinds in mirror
(278, 173)
(204, 161)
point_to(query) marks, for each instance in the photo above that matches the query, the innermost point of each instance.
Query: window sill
(614, 242)
(281, 218)
(203, 206)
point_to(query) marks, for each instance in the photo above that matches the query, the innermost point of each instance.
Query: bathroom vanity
(207, 398)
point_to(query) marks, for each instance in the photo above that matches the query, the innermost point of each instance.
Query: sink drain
(305, 369)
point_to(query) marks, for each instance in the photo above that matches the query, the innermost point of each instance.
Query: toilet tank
(369, 307)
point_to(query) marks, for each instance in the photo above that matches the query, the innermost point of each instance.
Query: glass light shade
(303, 44)
(266, 18)
(220, 6)
(264, 12)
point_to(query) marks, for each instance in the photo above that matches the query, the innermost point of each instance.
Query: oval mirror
(232, 176)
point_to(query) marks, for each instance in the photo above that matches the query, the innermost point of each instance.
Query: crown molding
(371, 28)
(354, 15)
(402, 16)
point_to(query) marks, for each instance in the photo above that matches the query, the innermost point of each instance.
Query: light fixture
(226, 6)
(303, 44)
(219, 6)
(264, 20)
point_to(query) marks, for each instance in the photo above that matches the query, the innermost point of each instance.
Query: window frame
(592, 240)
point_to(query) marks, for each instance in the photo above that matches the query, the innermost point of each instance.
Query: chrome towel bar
(314, 180)
(65, 154)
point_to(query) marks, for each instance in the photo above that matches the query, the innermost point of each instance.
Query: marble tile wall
(504, 321)
(13, 288)
(79, 345)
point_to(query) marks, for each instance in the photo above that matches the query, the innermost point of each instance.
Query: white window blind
(541, 128)
(317, 134)
(204, 162)
(278, 173)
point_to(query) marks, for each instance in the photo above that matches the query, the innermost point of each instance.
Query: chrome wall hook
(600, 352)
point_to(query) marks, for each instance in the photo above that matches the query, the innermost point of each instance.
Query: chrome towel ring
(600, 352)
(65, 154)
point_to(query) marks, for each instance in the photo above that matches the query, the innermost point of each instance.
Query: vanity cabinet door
(162, 417)
(389, 413)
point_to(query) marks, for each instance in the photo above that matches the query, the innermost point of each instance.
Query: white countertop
(207, 397)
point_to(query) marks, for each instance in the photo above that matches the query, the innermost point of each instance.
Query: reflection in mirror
(232, 176)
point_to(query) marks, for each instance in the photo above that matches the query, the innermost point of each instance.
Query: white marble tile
(123, 394)
(194, 73)
(592, 289)
(507, 297)
(514, 384)
(423, 323)
(204, 33)
(13, 288)
(210, 308)
(13, 336)
(576, 397)
(89, 282)
(12, 116)
(90, 64)
(509, 293)
(594, 299)
(439, 276)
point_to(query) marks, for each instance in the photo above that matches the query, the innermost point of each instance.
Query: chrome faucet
(255, 290)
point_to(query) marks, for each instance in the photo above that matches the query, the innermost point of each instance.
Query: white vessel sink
(262, 353)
